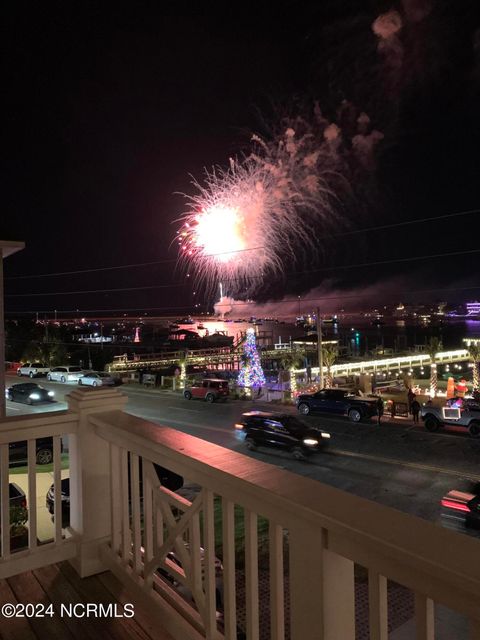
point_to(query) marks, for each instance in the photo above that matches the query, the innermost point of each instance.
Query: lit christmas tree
(251, 372)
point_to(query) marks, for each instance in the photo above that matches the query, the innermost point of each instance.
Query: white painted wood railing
(307, 537)
(37, 553)
(324, 533)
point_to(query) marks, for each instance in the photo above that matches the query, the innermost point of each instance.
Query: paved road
(409, 469)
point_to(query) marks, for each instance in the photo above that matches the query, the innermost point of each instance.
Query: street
(397, 465)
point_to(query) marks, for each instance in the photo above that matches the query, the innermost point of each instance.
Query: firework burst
(245, 222)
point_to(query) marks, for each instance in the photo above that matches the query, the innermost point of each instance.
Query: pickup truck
(468, 416)
(339, 402)
(33, 369)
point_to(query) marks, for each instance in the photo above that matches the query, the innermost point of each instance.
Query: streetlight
(6, 249)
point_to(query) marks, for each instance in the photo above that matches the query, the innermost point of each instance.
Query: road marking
(182, 409)
(411, 465)
(167, 422)
(12, 408)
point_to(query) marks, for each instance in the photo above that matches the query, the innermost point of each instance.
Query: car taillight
(458, 506)
(24, 503)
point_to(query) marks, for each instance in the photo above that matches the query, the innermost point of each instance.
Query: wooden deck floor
(59, 583)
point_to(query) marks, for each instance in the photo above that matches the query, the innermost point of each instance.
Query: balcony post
(322, 588)
(90, 493)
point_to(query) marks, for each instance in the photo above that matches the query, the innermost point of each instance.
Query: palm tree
(474, 353)
(433, 346)
(329, 355)
(290, 360)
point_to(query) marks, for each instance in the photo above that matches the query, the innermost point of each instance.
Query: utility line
(182, 284)
(396, 294)
(392, 225)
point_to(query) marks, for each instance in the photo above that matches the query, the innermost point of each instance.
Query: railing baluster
(57, 483)
(251, 575)
(135, 493)
(424, 617)
(377, 605)
(126, 534)
(277, 613)
(229, 599)
(196, 563)
(5, 501)
(209, 543)
(116, 497)
(147, 521)
(32, 494)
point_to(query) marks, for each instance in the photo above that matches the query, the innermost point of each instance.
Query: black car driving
(282, 431)
(29, 393)
(339, 402)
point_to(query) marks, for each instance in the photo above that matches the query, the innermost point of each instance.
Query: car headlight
(34, 396)
(310, 442)
(51, 393)
(326, 435)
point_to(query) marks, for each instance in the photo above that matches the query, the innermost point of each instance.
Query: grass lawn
(40, 468)
(262, 528)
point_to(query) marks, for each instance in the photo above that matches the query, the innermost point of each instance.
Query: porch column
(322, 596)
(90, 494)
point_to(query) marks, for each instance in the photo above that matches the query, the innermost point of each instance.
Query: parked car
(33, 369)
(338, 402)
(17, 496)
(65, 374)
(210, 390)
(50, 501)
(174, 562)
(29, 393)
(18, 451)
(463, 506)
(97, 379)
(282, 431)
(460, 413)
(168, 479)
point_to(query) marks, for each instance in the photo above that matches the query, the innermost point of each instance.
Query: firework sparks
(243, 222)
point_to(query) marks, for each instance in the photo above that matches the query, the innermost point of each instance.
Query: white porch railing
(27, 429)
(308, 536)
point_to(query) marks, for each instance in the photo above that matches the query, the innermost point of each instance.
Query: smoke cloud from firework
(244, 223)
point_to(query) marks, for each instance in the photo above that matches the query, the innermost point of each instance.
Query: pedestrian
(410, 398)
(380, 409)
(415, 407)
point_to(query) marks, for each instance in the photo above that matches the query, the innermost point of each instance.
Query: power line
(69, 293)
(332, 268)
(392, 225)
(396, 294)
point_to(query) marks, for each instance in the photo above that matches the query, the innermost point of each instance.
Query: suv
(467, 415)
(65, 374)
(282, 431)
(338, 402)
(209, 390)
(33, 369)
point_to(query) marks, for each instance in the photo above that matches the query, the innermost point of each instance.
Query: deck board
(15, 628)
(59, 583)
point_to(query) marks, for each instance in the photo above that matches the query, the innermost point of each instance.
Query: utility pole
(320, 351)
(6, 249)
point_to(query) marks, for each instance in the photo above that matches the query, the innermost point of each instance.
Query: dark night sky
(107, 114)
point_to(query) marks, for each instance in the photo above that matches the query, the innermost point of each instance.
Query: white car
(65, 374)
(33, 369)
(97, 379)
